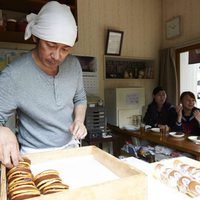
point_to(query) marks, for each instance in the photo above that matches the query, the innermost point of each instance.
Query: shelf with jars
(12, 28)
(128, 68)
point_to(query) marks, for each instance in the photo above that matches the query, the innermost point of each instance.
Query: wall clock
(173, 27)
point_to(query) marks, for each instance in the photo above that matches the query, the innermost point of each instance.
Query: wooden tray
(130, 183)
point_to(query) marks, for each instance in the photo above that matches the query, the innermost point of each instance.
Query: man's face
(52, 54)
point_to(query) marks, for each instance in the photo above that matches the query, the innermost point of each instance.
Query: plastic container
(11, 25)
(21, 26)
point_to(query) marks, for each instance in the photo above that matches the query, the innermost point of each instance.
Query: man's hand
(78, 129)
(9, 148)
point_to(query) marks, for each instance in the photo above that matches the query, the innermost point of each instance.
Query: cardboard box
(114, 178)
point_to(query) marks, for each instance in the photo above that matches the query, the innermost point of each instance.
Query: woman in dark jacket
(188, 116)
(160, 113)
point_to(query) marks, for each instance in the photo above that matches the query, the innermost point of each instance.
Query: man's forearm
(79, 113)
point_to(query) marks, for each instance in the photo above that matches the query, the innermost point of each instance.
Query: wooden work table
(181, 144)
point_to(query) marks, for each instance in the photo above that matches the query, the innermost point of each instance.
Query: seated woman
(160, 113)
(188, 116)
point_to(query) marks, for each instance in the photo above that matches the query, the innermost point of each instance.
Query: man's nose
(55, 55)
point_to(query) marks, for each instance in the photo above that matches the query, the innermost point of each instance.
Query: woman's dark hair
(190, 94)
(157, 89)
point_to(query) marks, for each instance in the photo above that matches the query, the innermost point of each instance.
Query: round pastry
(177, 164)
(165, 174)
(19, 172)
(158, 170)
(27, 160)
(49, 181)
(182, 183)
(21, 165)
(46, 175)
(49, 171)
(184, 169)
(191, 170)
(55, 187)
(24, 194)
(44, 183)
(196, 175)
(13, 169)
(194, 189)
(173, 177)
(19, 188)
(20, 182)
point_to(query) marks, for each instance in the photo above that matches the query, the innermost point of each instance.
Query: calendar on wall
(90, 74)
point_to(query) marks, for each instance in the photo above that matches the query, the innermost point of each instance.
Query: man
(45, 88)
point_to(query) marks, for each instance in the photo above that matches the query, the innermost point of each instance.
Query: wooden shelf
(27, 6)
(16, 37)
(118, 67)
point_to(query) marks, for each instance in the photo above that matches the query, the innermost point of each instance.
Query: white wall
(188, 10)
(189, 75)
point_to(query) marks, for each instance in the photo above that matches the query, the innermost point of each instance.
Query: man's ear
(35, 39)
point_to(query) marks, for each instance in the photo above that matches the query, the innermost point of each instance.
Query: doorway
(188, 70)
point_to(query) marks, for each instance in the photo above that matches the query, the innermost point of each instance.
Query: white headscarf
(54, 23)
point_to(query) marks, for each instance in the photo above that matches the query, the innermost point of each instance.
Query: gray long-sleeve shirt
(44, 104)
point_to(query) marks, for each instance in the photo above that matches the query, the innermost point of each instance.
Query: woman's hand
(196, 114)
(179, 109)
(164, 128)
(78, 129)
(9, 148)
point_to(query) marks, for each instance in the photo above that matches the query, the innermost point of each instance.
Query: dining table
(182, 144)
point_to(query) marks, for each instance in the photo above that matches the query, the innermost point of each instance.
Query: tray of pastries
(81, 173)
(181, 173)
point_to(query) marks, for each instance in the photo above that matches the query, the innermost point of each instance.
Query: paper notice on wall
(132, 99)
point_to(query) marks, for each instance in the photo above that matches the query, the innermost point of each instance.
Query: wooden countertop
(182, 144)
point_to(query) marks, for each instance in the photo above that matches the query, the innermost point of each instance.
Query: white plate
(194, 139)
(147, 127)
(131, 127)
(173, 134)
(157, 130)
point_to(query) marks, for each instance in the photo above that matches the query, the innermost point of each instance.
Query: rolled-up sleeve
(80, 96)
(7, 95)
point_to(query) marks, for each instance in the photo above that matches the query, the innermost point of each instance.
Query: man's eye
(66, 49)
(51, 45)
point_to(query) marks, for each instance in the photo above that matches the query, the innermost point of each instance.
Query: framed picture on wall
(114, 42)
(173, 28)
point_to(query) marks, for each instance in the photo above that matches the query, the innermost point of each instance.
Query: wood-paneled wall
(190, 21)
(142, 25)
(141, 22)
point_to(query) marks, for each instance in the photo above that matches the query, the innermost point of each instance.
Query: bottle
(142, 128)
(162, 132)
